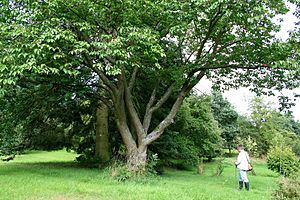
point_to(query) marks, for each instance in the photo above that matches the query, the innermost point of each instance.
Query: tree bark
(137, 159)
(102, 134)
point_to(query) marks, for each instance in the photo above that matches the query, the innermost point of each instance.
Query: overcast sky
(240, 98)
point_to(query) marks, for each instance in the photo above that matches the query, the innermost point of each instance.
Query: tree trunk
(102, 134)
(137, 160)
(124, 108)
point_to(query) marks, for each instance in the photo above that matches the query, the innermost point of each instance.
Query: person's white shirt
(243, 160)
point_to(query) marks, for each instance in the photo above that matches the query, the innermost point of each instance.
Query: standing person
(242, 163)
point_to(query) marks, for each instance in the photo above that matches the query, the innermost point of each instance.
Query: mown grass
(54, 175)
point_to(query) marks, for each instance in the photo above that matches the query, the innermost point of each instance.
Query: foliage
(296, 147)
(289, 188)
(194, 134)
(227, 117)
(248, 135)
(264, 131)
(282, 160)
(120, 172)
(295, 126)
(44, 113)
(49, 113)
(175, 150)
(220, 167)
(296, 140)
(249, 144)
(83, 144)
(197, 122)
(152, 164)
(266, 128)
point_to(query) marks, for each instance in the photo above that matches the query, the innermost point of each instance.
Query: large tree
(172, 43)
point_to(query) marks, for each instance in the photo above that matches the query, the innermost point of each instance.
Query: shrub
(283, 161)
(152, 166)
(176, 150)
(120, 172)
(220, 167)
(289, 188)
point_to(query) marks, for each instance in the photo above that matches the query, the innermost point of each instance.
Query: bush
(289, 188)
(120, 172)
(220, 167)
(153, 166)
(176, 150)
(283, 161)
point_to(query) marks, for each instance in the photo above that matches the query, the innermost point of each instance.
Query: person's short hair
(240, 146)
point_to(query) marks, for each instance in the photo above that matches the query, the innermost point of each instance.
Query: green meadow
(55, 175)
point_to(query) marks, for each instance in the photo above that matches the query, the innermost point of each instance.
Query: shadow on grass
(48, 165)
(52, 171)
(69, 167)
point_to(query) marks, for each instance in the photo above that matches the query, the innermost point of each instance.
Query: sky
(240, 98)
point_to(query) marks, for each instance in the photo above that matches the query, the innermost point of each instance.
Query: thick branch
(106, 101)
(147, 117)
(169, 119)
(132, 111)
(227, 45)
(152, 99)
(121, 119)
(133, 77)
(212, 23)
(164, 98)
(150, 110)
(110, 86)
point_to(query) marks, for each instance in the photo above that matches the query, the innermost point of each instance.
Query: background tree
(227, 117)
(47, 114)
(248, 135)
(195, 134)
(267, 128)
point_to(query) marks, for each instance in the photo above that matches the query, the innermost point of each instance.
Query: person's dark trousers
(247, 186)
(241, 184)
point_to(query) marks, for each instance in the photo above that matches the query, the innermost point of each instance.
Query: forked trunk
(127, 116)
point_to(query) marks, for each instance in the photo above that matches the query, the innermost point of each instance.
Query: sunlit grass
(55, 175)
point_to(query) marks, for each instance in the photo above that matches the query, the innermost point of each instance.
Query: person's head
(240, 147)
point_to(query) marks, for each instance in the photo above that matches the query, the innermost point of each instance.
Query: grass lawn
(54, 175)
